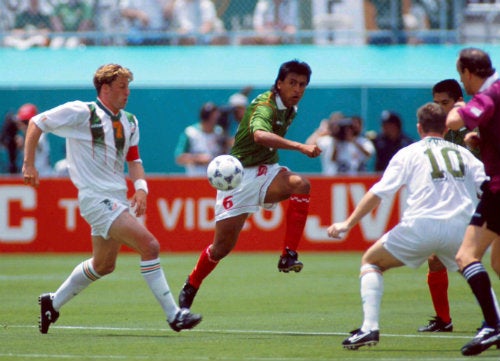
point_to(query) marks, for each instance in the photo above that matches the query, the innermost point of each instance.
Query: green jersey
(267, 113)
(457, 137)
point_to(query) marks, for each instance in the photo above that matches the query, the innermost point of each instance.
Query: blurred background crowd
(74, 23)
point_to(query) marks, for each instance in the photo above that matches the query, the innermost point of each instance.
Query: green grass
(251, 312)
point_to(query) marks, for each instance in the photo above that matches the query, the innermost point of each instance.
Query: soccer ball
(225, 172)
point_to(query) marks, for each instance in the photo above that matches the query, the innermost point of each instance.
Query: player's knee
(461, 261)
(299, 185)
(150, 248)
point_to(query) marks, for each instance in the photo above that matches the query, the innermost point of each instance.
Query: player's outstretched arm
(30, 173)
(366, 205)
(272, 140)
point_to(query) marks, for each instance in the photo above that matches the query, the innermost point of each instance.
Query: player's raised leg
(295, 188)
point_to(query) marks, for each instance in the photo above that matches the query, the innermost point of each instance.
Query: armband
(140, 184)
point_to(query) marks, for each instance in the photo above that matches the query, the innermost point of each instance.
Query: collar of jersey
(490, 80)
(106, 110)
(280, 105)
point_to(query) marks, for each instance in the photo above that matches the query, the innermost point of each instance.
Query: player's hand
(472, 140)
(139, 201)
(338, 230)
(30, 175)
(311, 150)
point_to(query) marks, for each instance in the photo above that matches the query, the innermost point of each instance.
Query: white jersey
(96, 155)
(442, 180)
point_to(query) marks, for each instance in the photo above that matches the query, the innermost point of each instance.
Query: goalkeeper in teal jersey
(260, 134)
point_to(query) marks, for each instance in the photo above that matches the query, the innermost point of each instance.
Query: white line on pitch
(264, 332)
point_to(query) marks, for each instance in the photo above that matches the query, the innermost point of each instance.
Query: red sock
(296, 216)
(203, 267)
(438, 286)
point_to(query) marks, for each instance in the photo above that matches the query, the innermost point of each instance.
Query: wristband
(140, 184)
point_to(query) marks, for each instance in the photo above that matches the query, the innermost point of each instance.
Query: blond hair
(106, 74)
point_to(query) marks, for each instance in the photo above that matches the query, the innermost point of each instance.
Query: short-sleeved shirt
(442, 180)
(267, 113)
(96, 145)
(483, 111)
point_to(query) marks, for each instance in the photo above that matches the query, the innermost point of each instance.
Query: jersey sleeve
(478, 110)
(62, 119)
(262, 119)
(394, 177)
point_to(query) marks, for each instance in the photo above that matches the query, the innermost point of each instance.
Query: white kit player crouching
(442, 181)
(100, 138)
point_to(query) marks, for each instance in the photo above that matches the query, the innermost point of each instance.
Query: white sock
(81, 277)
(153, 274)
(372, 289)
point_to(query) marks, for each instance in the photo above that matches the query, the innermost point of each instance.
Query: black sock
(479, 282)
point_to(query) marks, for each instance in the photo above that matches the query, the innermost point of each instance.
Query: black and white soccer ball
(225, 172)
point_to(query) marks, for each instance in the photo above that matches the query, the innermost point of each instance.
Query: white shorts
(250, 195)
(413, 241)
(101, 210)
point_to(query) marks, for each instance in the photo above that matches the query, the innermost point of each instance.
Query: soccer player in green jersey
(259, 136)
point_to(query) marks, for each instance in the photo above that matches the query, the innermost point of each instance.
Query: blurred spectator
(31, 28)
(201, 142)
(148, 21)
(275, 22)
(42, 159)
(383, 26)
(7, 14)
(109, 22)
(363, 143)
(338, 22)
(344, 150)
(11, 140)
(70, 16)
(232, 113)
(390, 140)
(196, 22)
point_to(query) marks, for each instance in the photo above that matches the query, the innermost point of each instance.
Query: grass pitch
(251, 312)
